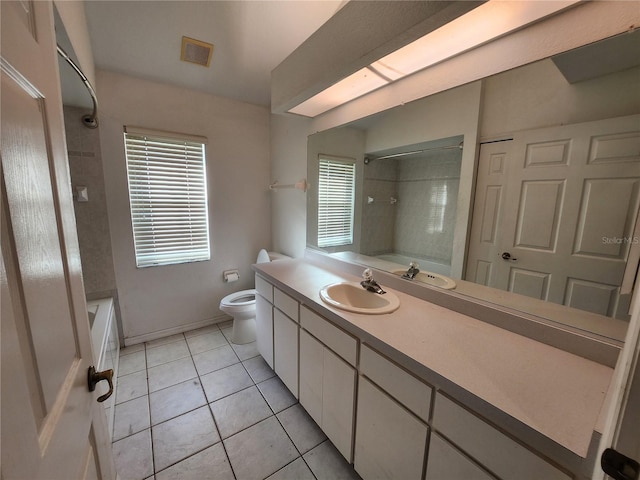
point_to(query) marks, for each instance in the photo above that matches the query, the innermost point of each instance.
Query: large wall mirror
(523, 189)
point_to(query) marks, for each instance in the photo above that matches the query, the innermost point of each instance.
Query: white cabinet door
(264, 329)
(390, 442)
(327, 392)
(445, 462)
(311, 368)
(285, 346)
(338, 402)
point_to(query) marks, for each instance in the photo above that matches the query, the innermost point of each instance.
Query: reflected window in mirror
(336, 195)
(437, 207)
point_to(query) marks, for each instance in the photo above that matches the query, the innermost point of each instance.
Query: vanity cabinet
(392, 411)
(379, 413)
(285, 340)
(277, 332)
(328, 378)
(264, 319)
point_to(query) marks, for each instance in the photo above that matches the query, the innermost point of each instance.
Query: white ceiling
(143, 39)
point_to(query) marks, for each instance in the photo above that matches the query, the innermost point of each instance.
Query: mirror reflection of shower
(412, 214)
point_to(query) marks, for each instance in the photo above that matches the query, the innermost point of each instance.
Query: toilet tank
(273, 256)
(264, 256)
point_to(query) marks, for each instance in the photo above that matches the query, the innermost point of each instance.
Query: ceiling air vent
(196, 51)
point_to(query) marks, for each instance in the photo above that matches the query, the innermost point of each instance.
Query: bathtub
(106, 349)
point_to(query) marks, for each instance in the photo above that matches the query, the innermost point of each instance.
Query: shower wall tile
(85, 164)
(378, 218)
(423, 225)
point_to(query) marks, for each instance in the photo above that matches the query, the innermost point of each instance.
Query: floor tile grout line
(187, 457)
(224, 447)
(301, 458)
(246, 428)
(215, 423)
(300, 454)
(153, 459)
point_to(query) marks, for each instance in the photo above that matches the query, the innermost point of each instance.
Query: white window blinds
(336, 191)
(168, 197)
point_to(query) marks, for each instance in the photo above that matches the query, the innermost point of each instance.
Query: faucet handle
(413, 265)
(367, 275)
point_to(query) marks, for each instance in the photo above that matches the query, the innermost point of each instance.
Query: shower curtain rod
(89, 121)
(395, 155)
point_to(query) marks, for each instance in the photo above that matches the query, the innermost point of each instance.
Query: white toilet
(242, 306)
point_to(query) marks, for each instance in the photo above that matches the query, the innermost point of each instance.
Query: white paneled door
(554, 213)
(52, 426)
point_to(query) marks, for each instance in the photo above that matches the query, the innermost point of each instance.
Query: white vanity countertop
(556, 393)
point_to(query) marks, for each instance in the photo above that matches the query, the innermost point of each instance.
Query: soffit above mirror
(582, 24)
(356, 36)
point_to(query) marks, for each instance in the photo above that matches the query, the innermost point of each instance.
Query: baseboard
(147, 337)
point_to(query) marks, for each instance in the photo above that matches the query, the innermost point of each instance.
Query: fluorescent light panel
(481, 25)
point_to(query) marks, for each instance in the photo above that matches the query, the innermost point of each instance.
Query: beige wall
(537, 95)
(345, 143)
(157, 301)
(288, 165)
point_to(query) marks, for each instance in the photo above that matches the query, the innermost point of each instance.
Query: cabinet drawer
(490, 447)
(404, 387)
(286, 304)
(264, 288)
(340, 342)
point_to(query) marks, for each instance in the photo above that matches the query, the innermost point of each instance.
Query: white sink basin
(353, 298)
(431, 278)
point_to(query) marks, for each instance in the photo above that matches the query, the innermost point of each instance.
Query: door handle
(94, 377)
(618, 466)
(507, 256)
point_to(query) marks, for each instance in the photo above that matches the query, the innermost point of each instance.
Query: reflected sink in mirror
(431, 278)
(352, 297)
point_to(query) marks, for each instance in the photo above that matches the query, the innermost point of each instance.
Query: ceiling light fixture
(481, 25)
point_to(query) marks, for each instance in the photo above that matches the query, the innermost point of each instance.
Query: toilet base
(244, 330)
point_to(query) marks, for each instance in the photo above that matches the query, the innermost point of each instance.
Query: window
(168, 197)
(336, 190)
(437, 207)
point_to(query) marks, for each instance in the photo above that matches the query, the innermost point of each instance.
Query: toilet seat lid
(241, 298)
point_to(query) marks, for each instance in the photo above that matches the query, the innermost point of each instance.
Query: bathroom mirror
(420, 197)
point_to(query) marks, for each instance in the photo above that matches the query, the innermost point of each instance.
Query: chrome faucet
(412, 272)
(369, 283)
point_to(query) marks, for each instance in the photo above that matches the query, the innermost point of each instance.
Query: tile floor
(196, 406)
